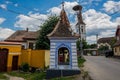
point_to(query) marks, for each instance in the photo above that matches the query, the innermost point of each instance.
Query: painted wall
(70, 44)
(36, 58)
(117, 51)
(104, 44)
(14, 50)
(47, 58)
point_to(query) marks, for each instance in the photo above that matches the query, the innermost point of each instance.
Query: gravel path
(13, 78)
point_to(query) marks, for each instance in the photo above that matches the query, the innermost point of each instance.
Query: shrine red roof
(62, 29)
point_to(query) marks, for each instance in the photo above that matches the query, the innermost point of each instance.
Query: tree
(93, 46)
(43, 41)
(112, 42)
(84, 44)
(103, 48)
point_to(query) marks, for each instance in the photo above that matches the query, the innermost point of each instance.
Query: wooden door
(15, 63)
(3, 59)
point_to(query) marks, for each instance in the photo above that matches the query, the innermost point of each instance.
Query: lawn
(41, 75)
(36, 76)
(81, 62)
(28, 75)
(2, 76)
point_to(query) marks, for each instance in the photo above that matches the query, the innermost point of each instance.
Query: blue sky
(101, 16)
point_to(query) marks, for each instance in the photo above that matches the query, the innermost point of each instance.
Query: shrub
(39, 76)
(25, 67)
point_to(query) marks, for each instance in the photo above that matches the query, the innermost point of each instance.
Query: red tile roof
(12, 43)
(105, 40)
(117, 43)
(62, 29)
(22, 35)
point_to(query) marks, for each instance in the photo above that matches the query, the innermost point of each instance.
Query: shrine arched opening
(63, 56)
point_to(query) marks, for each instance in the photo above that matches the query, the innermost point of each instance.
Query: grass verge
(81, 61)
(2, 76)
(28, 75)
(42, 75)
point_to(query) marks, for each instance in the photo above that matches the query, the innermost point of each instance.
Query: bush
(39, 76)
(81, 61)
(25, 67)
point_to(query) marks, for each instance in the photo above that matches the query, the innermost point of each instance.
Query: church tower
(80, 26)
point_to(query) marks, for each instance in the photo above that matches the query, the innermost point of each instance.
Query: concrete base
(53, 73)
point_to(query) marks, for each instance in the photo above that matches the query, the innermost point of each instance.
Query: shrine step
(53, 73)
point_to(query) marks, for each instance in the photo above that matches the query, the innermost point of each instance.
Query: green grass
(41, 75)
(81, 62)
(2, 76)
(64, 78)
(28, 76)
(37, 76)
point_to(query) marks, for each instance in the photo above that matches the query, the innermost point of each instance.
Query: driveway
(101, 68)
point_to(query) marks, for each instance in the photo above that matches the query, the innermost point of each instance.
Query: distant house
(117, 44)
(26, 37)
(105, 42)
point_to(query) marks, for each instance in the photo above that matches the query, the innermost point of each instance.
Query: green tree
(84, 44)
(43, 41)
(112, 42)
(93, 46)
(103, 48)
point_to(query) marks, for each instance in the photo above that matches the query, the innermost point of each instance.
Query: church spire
(62, 29)
(63, 16)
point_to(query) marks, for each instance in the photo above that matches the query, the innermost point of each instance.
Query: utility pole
(80, 26)
(97, 43)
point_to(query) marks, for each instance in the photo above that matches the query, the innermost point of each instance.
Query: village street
(101, 68)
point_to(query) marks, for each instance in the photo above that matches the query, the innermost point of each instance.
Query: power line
(15, 12)
(104, 17)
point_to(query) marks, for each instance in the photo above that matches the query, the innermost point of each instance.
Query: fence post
(29, 56)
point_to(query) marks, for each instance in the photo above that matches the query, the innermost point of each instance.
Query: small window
(119, 48)
(31, 45)
(117, 37)
(115, 49)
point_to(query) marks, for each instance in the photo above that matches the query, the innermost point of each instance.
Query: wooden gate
(15, 63)
(3, 59)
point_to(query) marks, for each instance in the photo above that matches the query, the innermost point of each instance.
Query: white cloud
(32, 22)
(111, 6)
(54, 11)
(96, 22)
(16, 5)
(3, 6)
(5, 32)
(68, 7)
(107, 33)
(99, 23)
(2, 20)
(118, 20)
(91, 39)
(35, 9)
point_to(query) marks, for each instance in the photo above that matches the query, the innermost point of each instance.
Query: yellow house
(36, 58)
(15, 56)
(9, 60)
(25, 37)
(117, 44)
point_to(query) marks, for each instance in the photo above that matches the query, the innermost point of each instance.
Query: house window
(117, 37)
(31, 45)
(115, 49)
(119, 48)
(23, 47)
